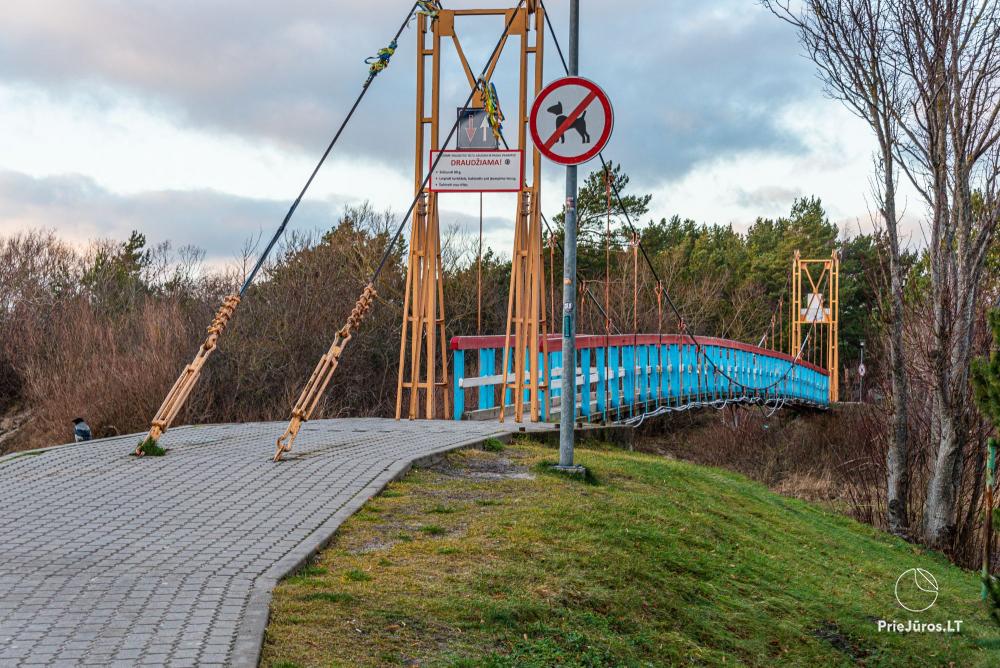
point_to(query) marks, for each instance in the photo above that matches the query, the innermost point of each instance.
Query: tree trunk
(967, 528)
(897, 458)
(941, 506)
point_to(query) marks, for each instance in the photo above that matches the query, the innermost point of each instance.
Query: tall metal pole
(567, 410)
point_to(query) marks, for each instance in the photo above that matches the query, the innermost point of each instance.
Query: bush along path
(490, 559)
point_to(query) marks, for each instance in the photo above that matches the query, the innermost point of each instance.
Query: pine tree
(986, 388)
(986, 376)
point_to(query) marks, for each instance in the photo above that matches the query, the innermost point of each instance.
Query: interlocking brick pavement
(110, 560)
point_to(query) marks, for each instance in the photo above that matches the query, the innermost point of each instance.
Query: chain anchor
(182, 387)
(323, 373)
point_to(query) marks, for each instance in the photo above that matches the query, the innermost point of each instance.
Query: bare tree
(950, 52)
(852, 44)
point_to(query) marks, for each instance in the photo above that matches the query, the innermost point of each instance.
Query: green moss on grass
(21, 455)
(329, 597)
(433, 530)
(494, 445)
(442, 509)
(357, 575)
(150, 448)
(307, 575)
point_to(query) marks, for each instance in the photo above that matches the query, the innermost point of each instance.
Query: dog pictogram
(576, 104)
(580, 124)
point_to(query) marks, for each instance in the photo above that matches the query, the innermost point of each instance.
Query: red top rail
(553, 343)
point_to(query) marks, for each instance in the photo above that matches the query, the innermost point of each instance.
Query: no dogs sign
(571, 120)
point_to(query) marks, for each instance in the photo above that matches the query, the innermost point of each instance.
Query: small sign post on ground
(862, 370)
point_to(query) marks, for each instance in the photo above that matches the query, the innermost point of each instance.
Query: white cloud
(128, 147)
(736, 188)
(125, 147)
(717, 113)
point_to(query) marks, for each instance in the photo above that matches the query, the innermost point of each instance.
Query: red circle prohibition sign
(568, 119)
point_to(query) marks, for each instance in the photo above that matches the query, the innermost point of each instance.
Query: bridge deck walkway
(106, 559)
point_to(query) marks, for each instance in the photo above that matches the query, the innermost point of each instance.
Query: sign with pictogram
(862, 370)
(571, 120)
(477, 171)
(815, 311)
(474, 130)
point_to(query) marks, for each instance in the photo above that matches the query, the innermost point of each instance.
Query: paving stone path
(106, 559)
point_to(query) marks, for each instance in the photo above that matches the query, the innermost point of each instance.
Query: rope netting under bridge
(621, 377)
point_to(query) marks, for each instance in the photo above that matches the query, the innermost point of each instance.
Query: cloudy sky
(197, 121)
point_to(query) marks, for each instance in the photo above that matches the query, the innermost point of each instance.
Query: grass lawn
(490, 560)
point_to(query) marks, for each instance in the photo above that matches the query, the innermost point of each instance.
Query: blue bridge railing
(624, 376)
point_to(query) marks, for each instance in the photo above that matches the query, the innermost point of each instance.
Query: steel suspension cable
(607, 286)
(552, 280)
(673, 307)
(327, 365)
(775, 311)
(182, 387)
(548, 228)
(590, 294)
(373, 72)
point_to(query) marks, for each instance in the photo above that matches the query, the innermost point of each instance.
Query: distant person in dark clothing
(81, 430)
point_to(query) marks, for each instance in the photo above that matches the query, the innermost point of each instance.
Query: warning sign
(571, 120)
(477, 172)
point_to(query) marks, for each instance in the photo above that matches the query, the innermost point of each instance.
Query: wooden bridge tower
(423, 366)
(816, 305)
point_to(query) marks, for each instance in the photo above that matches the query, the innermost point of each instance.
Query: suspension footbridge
(170, 559)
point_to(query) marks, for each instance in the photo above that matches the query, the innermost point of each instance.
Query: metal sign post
(571, 121)
(567, 403)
